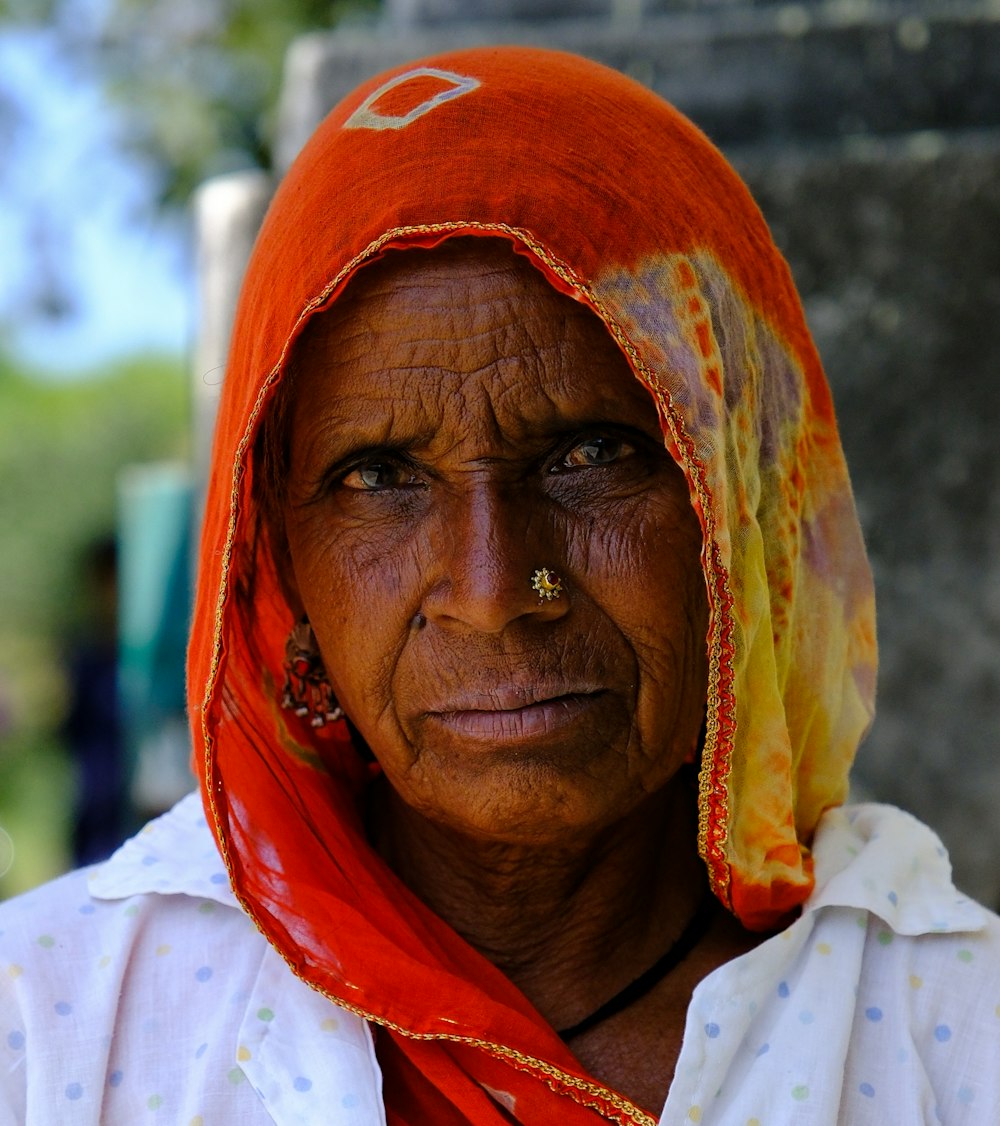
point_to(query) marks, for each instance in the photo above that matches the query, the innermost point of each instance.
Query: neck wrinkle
(569, 926)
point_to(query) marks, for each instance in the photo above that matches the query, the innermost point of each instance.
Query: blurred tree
(62, 446)
(191, 86)
(196, 80)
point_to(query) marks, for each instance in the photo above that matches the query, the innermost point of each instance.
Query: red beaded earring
(307, 691)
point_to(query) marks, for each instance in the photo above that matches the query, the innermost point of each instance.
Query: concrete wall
(897, 255)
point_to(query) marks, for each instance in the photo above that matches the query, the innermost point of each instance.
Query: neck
(569, 924)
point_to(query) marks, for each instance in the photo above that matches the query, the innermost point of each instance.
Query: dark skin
(457, 424)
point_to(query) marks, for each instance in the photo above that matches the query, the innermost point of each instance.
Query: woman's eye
(374, 475)
(597, 451)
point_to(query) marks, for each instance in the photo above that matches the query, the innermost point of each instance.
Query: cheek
(357, 590)
(652, 587)
(646, 557)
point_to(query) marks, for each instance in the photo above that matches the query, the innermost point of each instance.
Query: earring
(307, 691)
(547, 583)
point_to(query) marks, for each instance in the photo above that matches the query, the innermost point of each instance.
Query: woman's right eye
(373, 476)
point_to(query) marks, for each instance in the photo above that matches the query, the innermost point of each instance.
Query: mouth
(506, 721)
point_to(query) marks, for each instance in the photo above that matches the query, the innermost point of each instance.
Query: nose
(490, 545)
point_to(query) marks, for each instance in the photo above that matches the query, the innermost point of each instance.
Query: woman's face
(457, 424)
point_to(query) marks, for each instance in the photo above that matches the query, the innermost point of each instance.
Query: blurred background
(111, 113)
(141, 142)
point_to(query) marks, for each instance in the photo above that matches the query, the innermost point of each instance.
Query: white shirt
(138, 991)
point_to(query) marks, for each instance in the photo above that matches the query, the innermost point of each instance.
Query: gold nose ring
(547, 583)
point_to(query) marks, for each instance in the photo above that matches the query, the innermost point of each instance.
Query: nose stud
(547, 583)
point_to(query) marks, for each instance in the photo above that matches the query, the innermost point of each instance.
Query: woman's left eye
(602, 450)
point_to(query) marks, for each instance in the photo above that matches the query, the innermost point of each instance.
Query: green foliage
(36, 794)
(61, 448)
(198, 80)
(27, 11)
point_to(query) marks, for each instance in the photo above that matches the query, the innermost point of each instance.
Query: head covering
(628, 208)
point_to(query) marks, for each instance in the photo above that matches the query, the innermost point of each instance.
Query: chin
(534, 805)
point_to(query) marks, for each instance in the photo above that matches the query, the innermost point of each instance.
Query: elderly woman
(533, 641)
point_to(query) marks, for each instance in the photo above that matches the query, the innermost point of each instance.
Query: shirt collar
(173, 855)
(302, 1053)
(879, 859)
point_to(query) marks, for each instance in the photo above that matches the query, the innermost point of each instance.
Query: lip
(493, 721)
(508, 695)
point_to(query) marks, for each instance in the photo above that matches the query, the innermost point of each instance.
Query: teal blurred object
(156, 507)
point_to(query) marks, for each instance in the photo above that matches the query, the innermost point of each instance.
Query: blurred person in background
(93, 728)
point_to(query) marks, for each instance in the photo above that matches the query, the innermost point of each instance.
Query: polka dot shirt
(138, 991)
(879, 1006)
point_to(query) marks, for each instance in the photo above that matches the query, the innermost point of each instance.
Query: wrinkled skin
(456, 424)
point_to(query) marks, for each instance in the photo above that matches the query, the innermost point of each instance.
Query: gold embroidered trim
(720, 611)
(600, 1097)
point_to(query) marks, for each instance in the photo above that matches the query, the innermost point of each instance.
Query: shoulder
(165, 883)
(73, 926)
(888, 867)
(917, 964)
(141, 986)
(100, 969)
(879, 1003)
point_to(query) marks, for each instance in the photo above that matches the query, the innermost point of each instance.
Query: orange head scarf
(626, 207)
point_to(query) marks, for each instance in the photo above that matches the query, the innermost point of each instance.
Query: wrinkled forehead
(470, 319)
